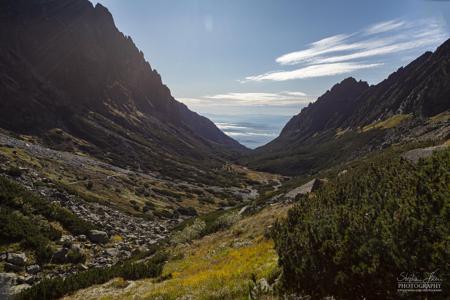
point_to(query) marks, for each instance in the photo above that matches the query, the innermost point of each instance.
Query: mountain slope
(354, 118)
(65, 65)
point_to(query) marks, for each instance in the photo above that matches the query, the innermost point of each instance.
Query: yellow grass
(218, 266)
(391, 122)
(442, 117)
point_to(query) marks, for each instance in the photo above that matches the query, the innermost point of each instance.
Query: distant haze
(250, 130)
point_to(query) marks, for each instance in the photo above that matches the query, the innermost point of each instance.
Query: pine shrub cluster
(354, 238)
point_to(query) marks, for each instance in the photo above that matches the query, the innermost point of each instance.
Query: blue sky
(241, 58)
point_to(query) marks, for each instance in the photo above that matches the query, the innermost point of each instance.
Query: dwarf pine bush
(361, 231)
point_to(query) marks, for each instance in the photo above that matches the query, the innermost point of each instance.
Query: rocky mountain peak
(88, 79)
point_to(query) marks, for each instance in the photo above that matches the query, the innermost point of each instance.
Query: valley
(111, 188)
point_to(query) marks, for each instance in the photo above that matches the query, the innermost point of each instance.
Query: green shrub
(49, 289)
(76, 257)
(221, 223)
(24, 218)
(190, 233)
(14, 171)
(19, 228)
(361, 231)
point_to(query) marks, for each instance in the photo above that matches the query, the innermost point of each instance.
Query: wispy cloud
(385, 26)
(251, 99)
(312, 71)
(342, 53)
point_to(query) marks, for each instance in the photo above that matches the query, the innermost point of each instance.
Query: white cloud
(312, 71)
(327, 45)
(385, 26)
(251, 99)
(341, 53)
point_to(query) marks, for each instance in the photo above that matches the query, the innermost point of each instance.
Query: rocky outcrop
(416, 154)
(310, 186)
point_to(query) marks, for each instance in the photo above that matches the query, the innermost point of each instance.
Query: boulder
(301, 190)
(18, 259)
(76, 248)
(33, 269)
(7, 281)
(415, 155)
(66, 240)
(112, 252)
(60, 256)
(97, 236)
(19, 288)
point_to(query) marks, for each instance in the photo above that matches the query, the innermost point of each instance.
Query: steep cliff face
(65, 65)
(329, 111)
(354, 118)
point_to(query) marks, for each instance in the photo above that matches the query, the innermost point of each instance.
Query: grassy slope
(127, 191)
(218, 266)
(391, 122)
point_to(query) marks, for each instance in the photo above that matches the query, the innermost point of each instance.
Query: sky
(250, 65)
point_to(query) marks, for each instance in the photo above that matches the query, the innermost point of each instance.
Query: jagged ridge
(333, 129)
(66, 65)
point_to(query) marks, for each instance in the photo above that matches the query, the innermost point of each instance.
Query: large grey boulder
(301, 190)
(97, 236)
(416, 154)
(18, 259)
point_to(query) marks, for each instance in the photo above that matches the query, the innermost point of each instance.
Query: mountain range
(354, 118)
(69, 77)
(111, 188)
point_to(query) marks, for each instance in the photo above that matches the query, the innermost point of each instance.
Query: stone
(7, 281)
(66, 240)
(301, 190)
(19, 288)
(416, 154)
(97, 236)
(125, 253)
(33, 269)
(76, 248)
(18, 259)
(343, 172)
(112, 252)
(244, 210)
(60, 256)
